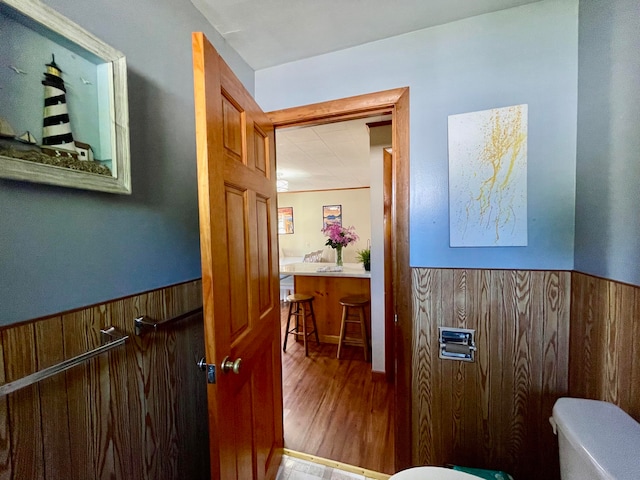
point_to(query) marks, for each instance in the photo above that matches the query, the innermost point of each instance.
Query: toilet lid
(432, 473)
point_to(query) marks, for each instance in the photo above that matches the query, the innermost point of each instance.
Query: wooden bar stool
(357, 304)
(300, 307)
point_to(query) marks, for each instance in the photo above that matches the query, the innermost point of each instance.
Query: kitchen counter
(354, 270)
(327, 288)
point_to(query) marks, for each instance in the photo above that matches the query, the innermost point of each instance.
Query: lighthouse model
(56, 129)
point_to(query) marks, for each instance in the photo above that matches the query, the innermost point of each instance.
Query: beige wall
(307, 221)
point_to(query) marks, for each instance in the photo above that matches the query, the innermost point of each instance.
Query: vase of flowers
(339, 237)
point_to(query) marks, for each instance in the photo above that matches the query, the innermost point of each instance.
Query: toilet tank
(597, 440)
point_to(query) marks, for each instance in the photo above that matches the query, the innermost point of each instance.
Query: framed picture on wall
(285, 220)
(64, 111)
(331, 214)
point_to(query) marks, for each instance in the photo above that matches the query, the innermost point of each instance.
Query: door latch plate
(209, 368)
(211, 373)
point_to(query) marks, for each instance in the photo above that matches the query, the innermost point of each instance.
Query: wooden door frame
(395, 102)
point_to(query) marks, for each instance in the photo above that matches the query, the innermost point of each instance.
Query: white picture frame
(35, 24)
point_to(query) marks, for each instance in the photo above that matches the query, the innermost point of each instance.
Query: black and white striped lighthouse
(56, 129)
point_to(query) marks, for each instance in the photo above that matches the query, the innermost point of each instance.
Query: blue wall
(62, 248)
(608, 170)
(526, 55)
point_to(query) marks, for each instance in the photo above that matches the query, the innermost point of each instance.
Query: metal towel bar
(144, 323)
(116, 339)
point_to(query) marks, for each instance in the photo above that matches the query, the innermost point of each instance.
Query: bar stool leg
(286, 332)
(313, 320)
(342, 329)
(365, 338)
(296, 312)
(304, 328)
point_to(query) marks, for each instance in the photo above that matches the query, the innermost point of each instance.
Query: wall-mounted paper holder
(457, 343)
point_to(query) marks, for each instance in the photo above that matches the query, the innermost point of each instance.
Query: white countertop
(353, 270)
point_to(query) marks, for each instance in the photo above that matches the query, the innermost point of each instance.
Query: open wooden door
(238, 241)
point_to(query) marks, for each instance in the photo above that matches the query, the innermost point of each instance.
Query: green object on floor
(486, 474)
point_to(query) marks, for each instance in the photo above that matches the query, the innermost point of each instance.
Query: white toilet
(432, 473)
(597, 441)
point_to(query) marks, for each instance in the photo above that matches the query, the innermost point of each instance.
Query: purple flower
(339, 236)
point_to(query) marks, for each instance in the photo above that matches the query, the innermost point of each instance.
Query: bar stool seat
(354, 307)
(300, 307)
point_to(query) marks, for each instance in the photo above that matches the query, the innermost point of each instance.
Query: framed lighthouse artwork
(64, 116)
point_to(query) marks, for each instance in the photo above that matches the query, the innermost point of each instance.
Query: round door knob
(230, 365)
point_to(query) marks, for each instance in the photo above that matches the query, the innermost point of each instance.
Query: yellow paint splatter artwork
(488, 177)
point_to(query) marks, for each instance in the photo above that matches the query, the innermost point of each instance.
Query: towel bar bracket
(142, 324)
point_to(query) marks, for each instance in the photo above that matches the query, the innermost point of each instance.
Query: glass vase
(339, 256)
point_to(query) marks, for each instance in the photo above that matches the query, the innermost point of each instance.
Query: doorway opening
(394, 103)
(338, 409)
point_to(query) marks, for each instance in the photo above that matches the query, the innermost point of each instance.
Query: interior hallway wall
(605, 313)
(608, 163)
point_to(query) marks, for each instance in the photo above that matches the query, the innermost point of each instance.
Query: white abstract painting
(488, 178)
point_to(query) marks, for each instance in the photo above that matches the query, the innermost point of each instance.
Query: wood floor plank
(333, 408)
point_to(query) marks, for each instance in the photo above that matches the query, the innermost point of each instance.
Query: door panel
(237, 204)
(236, 235)
(260, 146)
(233, 126)
(265, 294)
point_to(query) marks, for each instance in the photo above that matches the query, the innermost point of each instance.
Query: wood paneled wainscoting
(605, 342)
(492, 413)
(136, 412)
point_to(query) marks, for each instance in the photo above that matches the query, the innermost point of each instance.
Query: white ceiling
(272, 32)
(325, 157)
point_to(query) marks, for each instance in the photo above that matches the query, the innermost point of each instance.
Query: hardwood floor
(333, 409)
